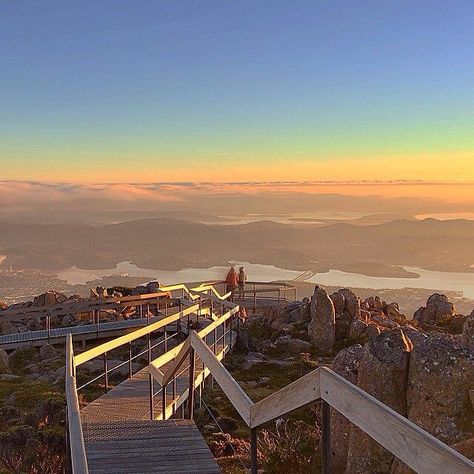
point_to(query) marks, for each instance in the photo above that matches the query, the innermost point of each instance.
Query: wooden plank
(295, 395)
(416, 448)
(110, 345)
(172, 446)
(228, 384)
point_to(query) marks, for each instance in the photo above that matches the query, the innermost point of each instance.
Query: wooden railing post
(253, 451)
(191, 384)
(163, 401)
(152, 411)
(326, 438)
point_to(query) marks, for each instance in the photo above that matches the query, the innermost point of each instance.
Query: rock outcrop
(438, 310)
(49, 298)
(383, 370)
(322, 327)
(441, 371)
(424, 376)
(346, 364)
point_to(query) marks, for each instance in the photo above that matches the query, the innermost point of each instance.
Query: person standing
(231, 282)
(242, 281)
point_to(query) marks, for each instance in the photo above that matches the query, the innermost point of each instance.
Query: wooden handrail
(119, 341)
(405, 440)
(229, 385)
(76, 437)
(295, 395)
(172, 353)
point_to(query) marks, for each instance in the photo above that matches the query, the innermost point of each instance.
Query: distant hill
(168, 243)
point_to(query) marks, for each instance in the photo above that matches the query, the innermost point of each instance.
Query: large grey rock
(8, 328)
(153, 287)
(322, 327)
(383, 371)
(468, 331)
(357, 329)
(47, 352)
(439, 310)
(4, 364)
(346, 364)
(440, 377)
(49, 298)
(139, 290)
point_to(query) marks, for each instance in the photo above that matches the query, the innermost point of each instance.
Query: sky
(162, 91)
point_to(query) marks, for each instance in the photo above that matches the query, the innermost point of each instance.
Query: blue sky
(138, 86)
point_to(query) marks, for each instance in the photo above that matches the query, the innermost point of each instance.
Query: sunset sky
(121, 91)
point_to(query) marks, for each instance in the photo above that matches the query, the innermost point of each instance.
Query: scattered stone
(253, 358)
(9, 377)
(47, 352)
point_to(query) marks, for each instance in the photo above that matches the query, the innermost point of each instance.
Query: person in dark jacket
(242, 280)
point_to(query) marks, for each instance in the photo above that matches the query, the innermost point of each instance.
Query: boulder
(47, 352)
(357, 329)
(286, 345)
(69, 320)
(253, 358)
(352, 303)
(348, 308)
(99, 292)
(440, 377)
(139, 290)
(3, 305)
(383, 370)
(305, 309)
(372, 330)
(4, 363)
(438, 310)
(338, 301)
(153, 287)
(392, 311)
(49, 298)
(322, 327)
(8, 328)
(468, 331)
(346, 364)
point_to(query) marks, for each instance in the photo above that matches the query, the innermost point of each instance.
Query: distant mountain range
(172, 244)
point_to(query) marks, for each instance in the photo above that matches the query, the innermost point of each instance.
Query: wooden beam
(415, 447)
(228, 384)
(299, 393)
(177, 362)
(76, 437)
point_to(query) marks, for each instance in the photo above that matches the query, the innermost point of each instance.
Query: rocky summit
(422, 367)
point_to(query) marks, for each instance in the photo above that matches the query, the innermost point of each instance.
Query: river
(428, 279)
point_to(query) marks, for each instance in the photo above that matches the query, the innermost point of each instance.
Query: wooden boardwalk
(171, 446)
(121, 437)
(81, 332)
